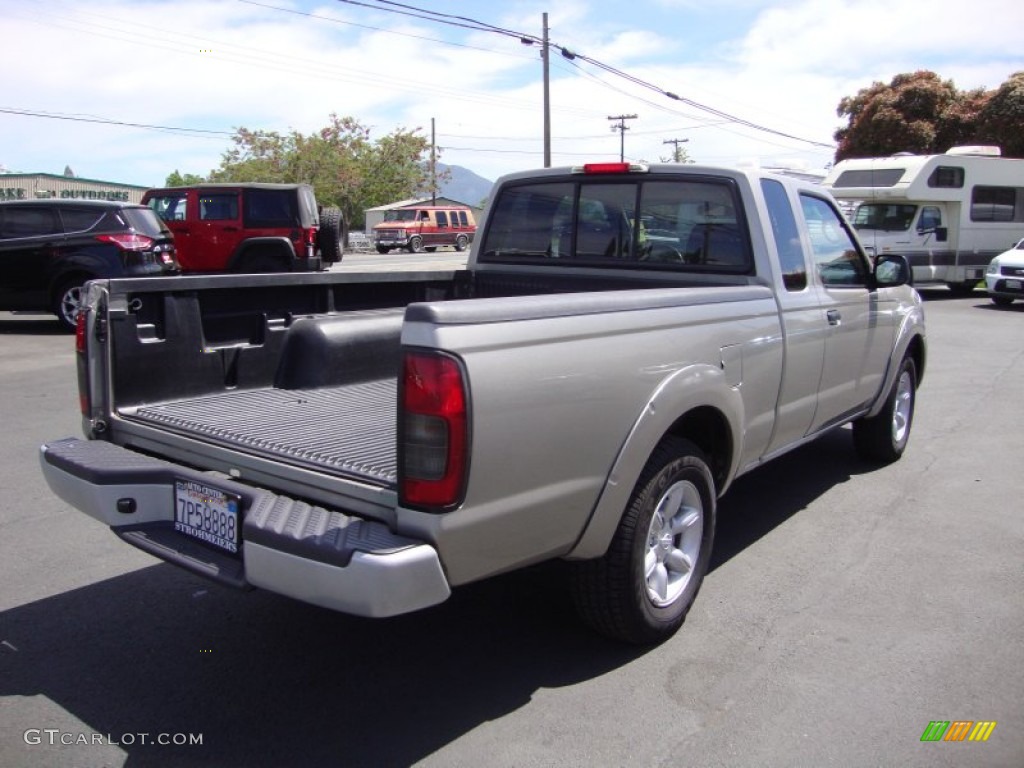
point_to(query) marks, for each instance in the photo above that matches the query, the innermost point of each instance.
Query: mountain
(464, 185)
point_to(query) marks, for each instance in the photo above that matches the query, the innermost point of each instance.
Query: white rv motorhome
(948, 214)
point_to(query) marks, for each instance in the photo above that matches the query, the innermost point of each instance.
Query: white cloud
(224, 64)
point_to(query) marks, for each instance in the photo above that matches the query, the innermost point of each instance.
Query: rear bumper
(320, 556)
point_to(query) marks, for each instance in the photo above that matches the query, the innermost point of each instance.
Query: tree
(1000, 119)
(177, 179)
(919, 112)
(345, 168)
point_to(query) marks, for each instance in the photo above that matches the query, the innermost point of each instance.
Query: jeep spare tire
(330, 239)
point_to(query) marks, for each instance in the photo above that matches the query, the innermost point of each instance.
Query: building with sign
(40, 186)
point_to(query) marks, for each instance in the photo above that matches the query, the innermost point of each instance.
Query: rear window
(694, 224)
(144, 221)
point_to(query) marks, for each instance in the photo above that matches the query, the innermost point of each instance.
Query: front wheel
(1002, 301)
(642, 588)
(415, 244)
(884, 437)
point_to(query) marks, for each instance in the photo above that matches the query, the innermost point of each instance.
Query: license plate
(207, 514)
(1014, 284)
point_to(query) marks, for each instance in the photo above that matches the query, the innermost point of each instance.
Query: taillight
(81, 347)
(128, 241)
(433, 431)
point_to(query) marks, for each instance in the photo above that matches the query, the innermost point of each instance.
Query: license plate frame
(208, 514)
(1014, 285)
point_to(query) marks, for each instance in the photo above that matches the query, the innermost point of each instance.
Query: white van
(948, 214)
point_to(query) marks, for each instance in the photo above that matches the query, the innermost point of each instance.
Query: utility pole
(545, 49)
(621, 128)
(676, 153)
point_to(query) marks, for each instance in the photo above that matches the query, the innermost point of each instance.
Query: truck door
(219, 229)
(803, 330)
(858, 322)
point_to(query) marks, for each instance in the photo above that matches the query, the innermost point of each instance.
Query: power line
(466, 22)
(108, 121)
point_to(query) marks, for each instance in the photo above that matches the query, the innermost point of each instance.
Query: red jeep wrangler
(249, 227)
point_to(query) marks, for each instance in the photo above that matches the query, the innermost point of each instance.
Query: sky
(131, 90)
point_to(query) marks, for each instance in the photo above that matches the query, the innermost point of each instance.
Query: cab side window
(835, 253)
(787, 236)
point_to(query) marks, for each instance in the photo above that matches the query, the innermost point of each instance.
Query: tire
(1002, 301)
(461, 243)
(884, 437)
(67, 301)
(642, 588)
(258, 263)
(383, 249)
(331, 236)
(962, 289)
(415, 244)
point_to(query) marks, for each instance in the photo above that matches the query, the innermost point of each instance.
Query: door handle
(834, 316)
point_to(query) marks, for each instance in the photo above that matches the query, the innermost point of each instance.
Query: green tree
(922, 113)
(177, 179)
(1001, 118)
(345, 167)
(917, 112)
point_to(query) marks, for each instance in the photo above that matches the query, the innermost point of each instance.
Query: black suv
(50, 248)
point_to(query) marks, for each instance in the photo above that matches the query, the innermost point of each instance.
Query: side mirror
(892, 270)
(941, 234)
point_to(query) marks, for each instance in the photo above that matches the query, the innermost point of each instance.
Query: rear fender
(686, 391)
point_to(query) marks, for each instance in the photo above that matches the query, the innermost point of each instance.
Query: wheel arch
(697, 405)
(274, 247)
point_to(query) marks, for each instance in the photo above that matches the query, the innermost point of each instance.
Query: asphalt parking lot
(847, 608)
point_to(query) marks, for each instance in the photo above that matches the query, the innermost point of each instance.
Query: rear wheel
(415, 244)
(67, 301)
(642, 588)
(884, 437)
(260, 262)
(461, 243)
(331, 237)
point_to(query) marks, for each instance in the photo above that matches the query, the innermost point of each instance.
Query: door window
(171, 207)
(218, 207)
(835, 253)
(26, 221)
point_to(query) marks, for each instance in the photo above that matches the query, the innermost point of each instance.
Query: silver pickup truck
(625, 342)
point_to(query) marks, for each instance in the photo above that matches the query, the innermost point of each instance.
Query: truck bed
(336, 429)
